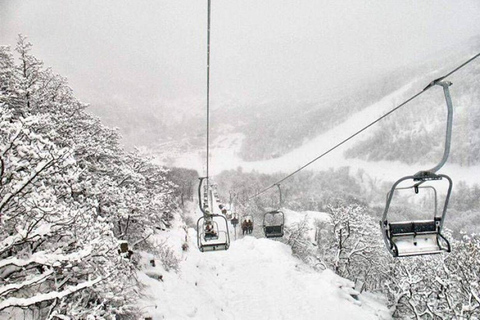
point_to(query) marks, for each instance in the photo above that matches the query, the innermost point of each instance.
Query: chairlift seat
(214, 247)
(417, 238)
(273, 231)
(210, 236)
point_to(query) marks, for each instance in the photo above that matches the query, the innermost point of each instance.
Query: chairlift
(273, 224)
(421, 237)
(210, 237)
(274, 221)
(212, 229)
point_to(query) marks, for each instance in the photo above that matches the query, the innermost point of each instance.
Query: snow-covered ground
(224, 151)
(254, 279)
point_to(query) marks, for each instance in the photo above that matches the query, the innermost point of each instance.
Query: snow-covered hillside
(254, 279)
(225, 151)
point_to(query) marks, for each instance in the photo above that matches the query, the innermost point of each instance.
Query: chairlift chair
(212, 229)
(273, 224)
(212, 241)
(421, 237)
(273, 221)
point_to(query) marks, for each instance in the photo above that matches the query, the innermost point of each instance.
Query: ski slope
(254, 279)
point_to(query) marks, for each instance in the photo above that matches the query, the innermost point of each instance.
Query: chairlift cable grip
(280, 196)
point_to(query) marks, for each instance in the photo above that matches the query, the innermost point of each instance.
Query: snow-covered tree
(352, 246)
(68, 195)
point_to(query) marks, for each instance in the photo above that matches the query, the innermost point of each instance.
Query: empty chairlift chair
(420, 237)
(273, 224)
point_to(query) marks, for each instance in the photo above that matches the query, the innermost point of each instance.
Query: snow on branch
(25, 302)
(18, 286)
(46, 259)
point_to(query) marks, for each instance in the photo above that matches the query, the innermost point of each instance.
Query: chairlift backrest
(273, 224)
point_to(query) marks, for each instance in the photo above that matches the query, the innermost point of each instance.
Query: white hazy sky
(149, 52)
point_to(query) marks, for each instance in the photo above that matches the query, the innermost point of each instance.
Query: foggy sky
(152, 54)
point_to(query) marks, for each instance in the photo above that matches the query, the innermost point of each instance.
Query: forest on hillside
(416, 133)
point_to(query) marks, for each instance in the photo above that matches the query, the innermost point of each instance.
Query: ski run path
(254, 279)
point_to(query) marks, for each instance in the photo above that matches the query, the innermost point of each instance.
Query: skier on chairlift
(209, 230)
(244, 227)
(249, 226)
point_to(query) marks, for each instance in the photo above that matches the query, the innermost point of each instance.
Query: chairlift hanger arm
(200, 195)
(280, 196)
(448, 136)
(208, 87)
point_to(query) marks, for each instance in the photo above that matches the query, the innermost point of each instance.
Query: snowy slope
(254, 279)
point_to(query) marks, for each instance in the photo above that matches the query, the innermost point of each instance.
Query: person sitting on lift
(244, 227)
(209, 231)
(249, 226)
